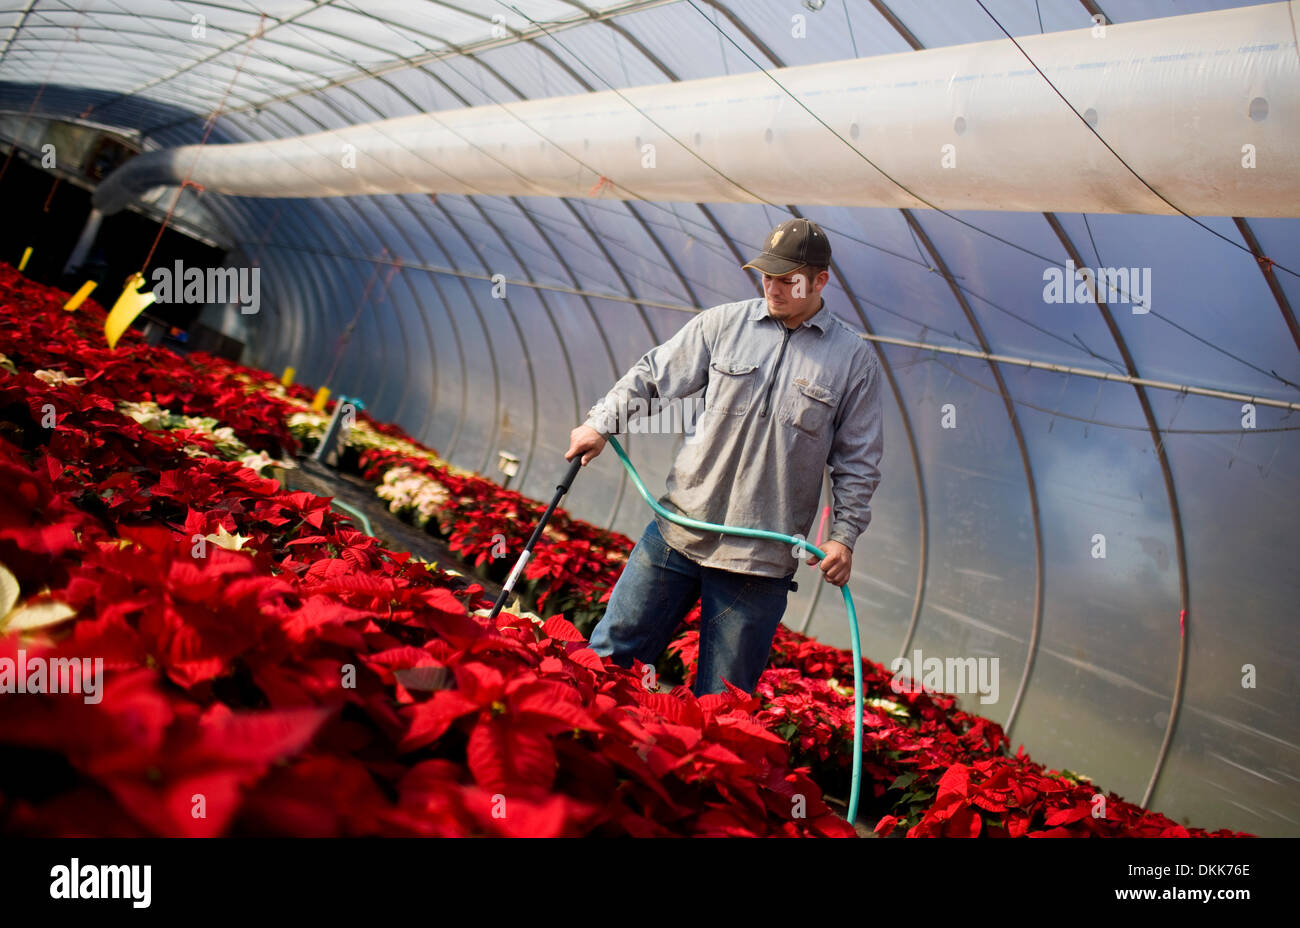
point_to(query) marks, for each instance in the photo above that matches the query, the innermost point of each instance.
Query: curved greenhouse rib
(1219, 58)
(1175, 515)
(533, 431)
(522, 96)
(1023, 448)
(923, 509)
(378, 290)
(922, 504)
(1270, 278)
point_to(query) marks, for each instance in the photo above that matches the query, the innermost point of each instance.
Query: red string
(13, 147)
(53, 187)
(36, 99)
(207, 130)
(1182, 624)
(351, 326)
(821, 526)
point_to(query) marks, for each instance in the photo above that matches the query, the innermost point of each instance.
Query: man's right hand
(586, 441)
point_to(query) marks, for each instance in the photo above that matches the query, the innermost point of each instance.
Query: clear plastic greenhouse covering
(479, 215)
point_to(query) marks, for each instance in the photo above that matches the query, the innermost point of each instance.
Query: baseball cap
(791, 245)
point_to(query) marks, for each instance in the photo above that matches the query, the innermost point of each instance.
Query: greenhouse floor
(392, 532)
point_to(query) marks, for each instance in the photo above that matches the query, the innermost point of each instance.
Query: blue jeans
(739, 614)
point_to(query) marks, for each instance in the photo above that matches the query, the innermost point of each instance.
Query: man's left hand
(838, 563)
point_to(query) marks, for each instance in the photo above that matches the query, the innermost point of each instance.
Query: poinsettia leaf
(886, 825)
(257, 738)
(964, 823)
(503, 756)
(954, 784)
(429, 720)
(587, 658)
(988, 803)
(558, 627)
(1066, 816)
(558, 816)
(307, 540)
(32, 616)
(425, 679)
(903, 781)
(565, 713)
(8, 590)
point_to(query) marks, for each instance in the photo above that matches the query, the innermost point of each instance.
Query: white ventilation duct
(1188, 102)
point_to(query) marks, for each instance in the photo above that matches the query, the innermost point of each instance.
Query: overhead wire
(952, 279)
(1188, 332)
(980, 229)
(1093, 129)
(921, 263)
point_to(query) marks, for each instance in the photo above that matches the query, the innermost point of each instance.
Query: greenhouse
(526, 418)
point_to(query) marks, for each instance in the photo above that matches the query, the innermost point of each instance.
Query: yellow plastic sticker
(79, 297)
(129, 305)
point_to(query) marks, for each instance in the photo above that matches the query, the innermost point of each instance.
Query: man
(789, 388)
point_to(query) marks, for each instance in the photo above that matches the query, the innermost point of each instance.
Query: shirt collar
(819, 320)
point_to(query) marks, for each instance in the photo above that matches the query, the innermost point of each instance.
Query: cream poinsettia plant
(156, 418)
(55, 378)
(407, 490)
(309, 425)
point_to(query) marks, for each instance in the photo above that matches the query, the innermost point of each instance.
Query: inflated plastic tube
(852, 814)
(1202, 106)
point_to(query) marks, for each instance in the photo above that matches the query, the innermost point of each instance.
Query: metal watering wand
(563, 488)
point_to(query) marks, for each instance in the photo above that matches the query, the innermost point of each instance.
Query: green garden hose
(355, 513)
(848, 604)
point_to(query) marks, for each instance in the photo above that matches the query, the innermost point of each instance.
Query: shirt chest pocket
(809, 407)
(731, 386)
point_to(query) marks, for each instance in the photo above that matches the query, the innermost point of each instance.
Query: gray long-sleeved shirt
(779, 404)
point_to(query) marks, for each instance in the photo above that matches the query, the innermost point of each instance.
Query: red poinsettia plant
(268, 669)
